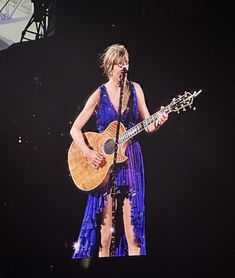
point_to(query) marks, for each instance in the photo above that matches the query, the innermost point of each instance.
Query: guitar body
(85, 176)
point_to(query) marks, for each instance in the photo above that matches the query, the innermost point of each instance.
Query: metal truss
(42, 22)
(9, 11)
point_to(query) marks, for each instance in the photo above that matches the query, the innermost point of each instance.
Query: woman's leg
(105, 231)
(133, 248)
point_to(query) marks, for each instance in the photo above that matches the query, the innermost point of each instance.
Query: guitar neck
(130, 133)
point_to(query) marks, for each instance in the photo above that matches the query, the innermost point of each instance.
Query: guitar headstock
(183, 101)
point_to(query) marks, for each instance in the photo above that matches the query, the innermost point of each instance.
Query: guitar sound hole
(109, 146)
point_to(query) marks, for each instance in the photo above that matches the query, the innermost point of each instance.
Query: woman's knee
(105, 239)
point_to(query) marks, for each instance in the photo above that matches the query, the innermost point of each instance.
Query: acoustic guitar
(85, 176)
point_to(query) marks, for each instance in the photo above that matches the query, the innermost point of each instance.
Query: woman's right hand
(94, 157)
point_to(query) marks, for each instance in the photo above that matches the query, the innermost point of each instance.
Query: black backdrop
(188, 163)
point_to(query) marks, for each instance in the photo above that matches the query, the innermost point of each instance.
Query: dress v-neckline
(126, 109)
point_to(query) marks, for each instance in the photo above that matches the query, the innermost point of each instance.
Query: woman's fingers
(98, 159)
(95, 158)
(162, 118)
(100, 156)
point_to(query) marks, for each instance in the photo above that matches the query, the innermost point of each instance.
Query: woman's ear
(110, 73)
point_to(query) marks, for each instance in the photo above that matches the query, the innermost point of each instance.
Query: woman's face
(117, 68)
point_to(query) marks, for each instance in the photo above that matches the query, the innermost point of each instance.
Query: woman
(96, 230)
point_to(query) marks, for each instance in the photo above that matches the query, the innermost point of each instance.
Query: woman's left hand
(162, 119)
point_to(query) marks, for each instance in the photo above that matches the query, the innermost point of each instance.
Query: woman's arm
(81, 120)
(144, 112)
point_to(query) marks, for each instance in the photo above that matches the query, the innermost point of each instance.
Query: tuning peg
(197, 93)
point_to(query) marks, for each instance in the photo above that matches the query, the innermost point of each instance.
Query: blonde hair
(112, 55)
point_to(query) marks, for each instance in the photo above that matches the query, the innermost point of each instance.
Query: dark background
(189, 163)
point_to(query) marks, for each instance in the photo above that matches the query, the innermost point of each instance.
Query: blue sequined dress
(129, 175)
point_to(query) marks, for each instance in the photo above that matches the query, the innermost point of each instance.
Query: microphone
(125, 69)
(123, 75)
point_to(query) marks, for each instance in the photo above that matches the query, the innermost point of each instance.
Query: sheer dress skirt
(130, 184)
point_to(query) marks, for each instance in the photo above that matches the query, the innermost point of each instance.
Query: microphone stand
(114, 166)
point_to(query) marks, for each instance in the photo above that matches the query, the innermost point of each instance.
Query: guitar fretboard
(130, 133)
